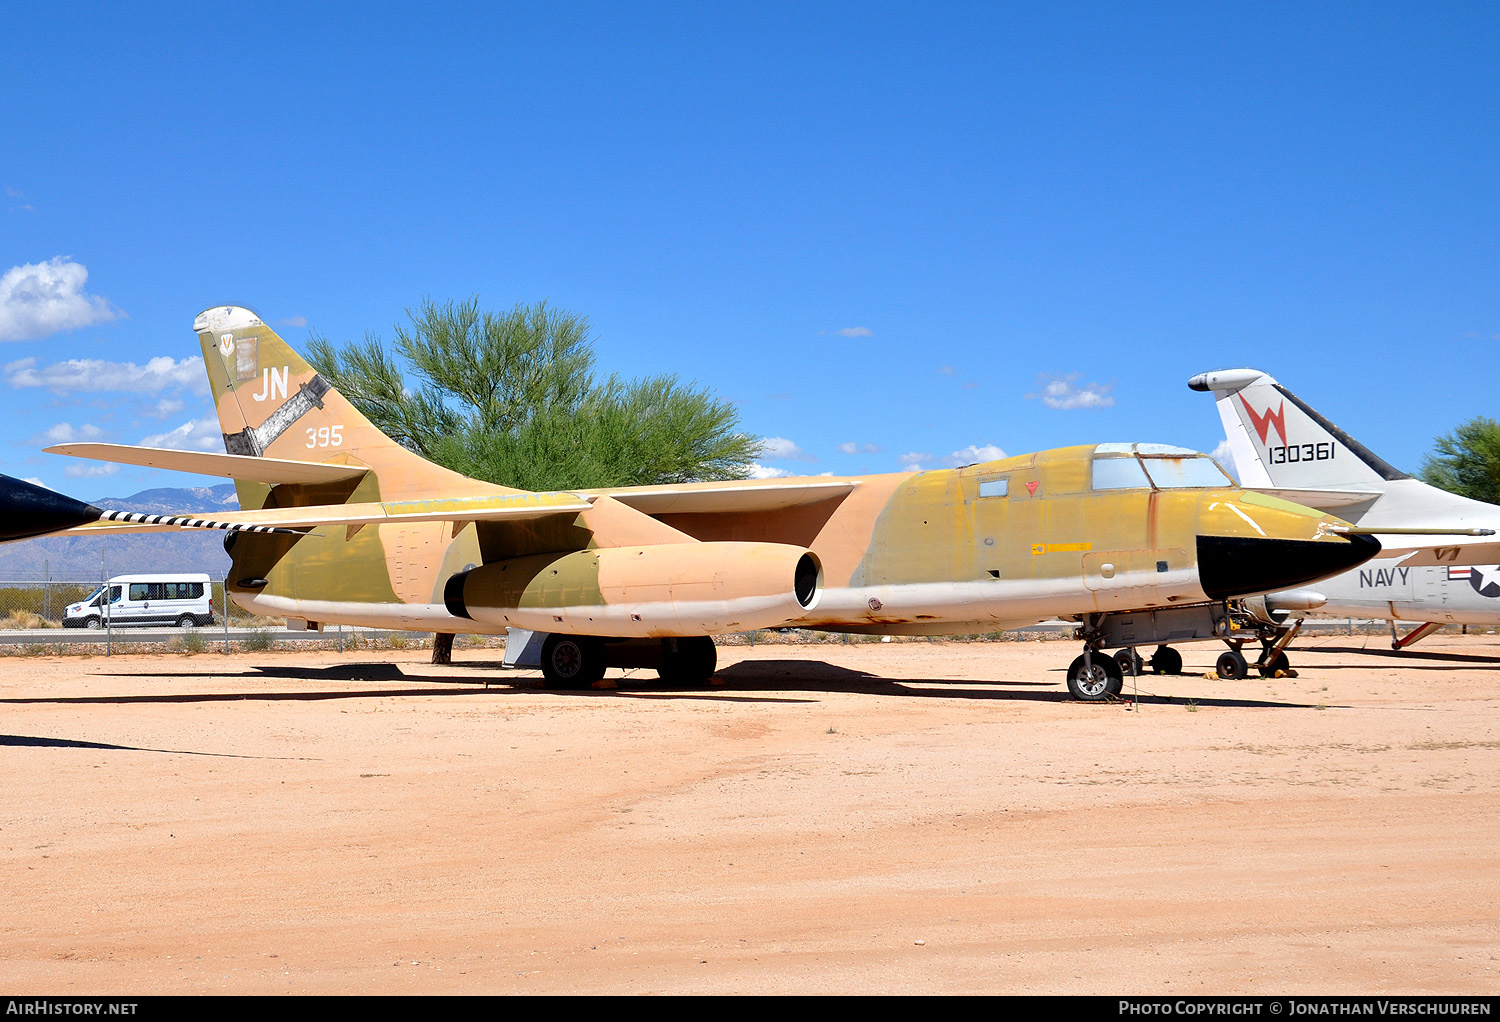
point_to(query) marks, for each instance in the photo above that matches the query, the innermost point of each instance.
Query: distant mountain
(163, 500)
(79, 559)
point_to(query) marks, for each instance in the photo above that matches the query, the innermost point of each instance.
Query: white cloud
(758, 471)
(779, 448)
(292, 321)
(33, 480)
(1222, 455)
(80, 374)
(947, 370)
(914, 461)
(974, 453)
(21, 203)
(66, 433)
(41, 299)
(1062, 392)
(854, 448)
(855, 331)
(192, 435)
(165, 407)
(90, 470)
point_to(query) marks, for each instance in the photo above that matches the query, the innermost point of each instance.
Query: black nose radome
(27, 509)
(1242, 565)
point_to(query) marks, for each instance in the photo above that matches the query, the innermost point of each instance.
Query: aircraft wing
(459, 510)
(1323, 500)
(1485, 552)
(232, 466)
(735, 496)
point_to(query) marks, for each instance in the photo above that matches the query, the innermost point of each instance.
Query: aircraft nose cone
(30, 510)
(1241, 565)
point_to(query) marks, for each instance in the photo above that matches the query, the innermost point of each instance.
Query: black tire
(94, 623)
(572, 661)
(688, 661)
(1279, 664)
(187, 621)
(1231, 666)
(1166, 660)
(1100, 682)
(1130, 663)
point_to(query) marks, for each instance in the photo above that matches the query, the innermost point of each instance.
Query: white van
(182, 600)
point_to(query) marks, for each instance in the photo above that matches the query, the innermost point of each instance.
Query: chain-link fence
(31, 605)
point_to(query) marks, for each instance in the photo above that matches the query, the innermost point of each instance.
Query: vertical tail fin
(271, 403)
(1279, 442)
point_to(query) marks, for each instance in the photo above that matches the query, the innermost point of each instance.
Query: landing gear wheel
(1279, 665)
(572, 661)
(1130, 662)
(1166, 660)
(1100, 681)
(688, 661)
(1231, 666)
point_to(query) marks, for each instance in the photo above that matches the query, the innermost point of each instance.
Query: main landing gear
(578, 661)
(573, 661)
(1096, 676)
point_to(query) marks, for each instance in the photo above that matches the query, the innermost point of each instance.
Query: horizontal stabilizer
(231, 466)
(503, 507)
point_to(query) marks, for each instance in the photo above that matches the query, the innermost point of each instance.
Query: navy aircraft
(1438, 560)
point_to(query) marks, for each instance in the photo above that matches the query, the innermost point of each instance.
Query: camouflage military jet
(1140, 543)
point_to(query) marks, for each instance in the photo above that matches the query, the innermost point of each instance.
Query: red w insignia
(1260, 422)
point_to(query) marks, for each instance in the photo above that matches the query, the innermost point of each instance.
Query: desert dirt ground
(866, 818)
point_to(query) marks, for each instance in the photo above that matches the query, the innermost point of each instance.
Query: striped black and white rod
(185, 522)
(30, 509)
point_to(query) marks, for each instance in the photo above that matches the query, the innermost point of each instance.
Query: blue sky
(893, 234)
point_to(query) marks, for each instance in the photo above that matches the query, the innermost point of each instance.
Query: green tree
(1467, 461)
(513, 398)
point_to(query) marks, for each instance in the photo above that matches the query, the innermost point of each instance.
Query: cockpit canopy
(1159, 466)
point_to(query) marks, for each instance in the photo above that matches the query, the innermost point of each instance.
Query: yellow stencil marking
(1059, 548)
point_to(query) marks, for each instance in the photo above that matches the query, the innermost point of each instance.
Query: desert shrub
(24, 620)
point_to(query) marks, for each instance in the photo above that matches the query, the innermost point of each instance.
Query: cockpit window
(1119, 474)
(1195, 470)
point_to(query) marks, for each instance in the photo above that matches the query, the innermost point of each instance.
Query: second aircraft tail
(1279, 442)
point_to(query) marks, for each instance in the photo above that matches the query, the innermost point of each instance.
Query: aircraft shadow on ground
(30, 742)
(1408, 656)
(738, 682)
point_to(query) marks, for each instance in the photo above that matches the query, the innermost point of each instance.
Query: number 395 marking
(325, 436)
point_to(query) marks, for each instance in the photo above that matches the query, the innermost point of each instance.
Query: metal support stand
(1416, 635)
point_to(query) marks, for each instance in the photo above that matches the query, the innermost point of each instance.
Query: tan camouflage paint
(923, 550)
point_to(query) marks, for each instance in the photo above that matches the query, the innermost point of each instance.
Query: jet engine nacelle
(638, 591)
